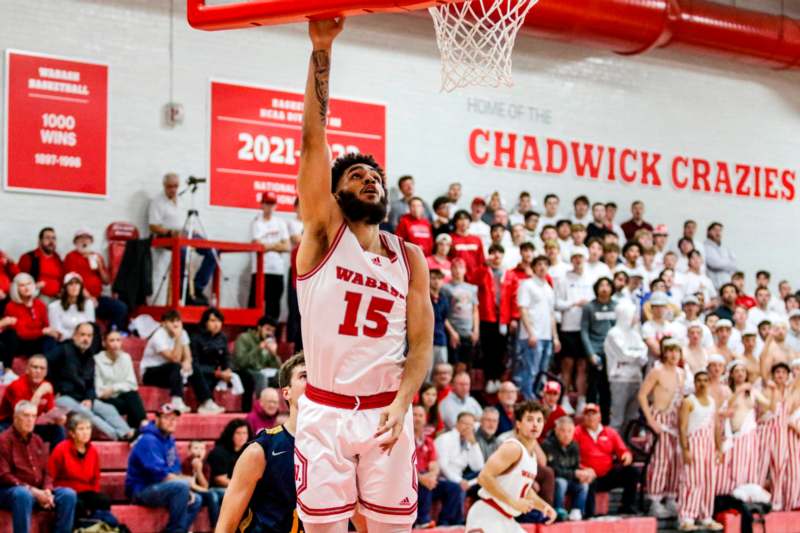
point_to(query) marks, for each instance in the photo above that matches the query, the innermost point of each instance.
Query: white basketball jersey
(516, 481)
(353, 306)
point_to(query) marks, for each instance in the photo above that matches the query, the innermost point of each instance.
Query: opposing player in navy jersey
(261, 497)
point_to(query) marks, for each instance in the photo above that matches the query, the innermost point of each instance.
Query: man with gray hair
(564, 457)
(487, 435)
(165, 218)
(72, 373)
(24, 478)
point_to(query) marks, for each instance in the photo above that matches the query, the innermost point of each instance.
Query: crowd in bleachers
(607, 324)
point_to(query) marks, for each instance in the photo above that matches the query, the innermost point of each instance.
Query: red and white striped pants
(778, 446)
(764, 436)
(664, 471)
(793, 474)
(696, 492)
(741, 464)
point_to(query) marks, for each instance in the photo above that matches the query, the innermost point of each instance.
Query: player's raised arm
(314, 179)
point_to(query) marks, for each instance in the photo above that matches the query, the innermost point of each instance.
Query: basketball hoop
(476, 39)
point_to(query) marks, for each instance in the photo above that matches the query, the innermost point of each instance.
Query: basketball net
(476, 38)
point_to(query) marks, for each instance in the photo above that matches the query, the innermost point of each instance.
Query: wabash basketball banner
(256, 136)
(55, 125)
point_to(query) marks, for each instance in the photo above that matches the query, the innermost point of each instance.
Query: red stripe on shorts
(325, 511)
(389, 510)
(342, 401)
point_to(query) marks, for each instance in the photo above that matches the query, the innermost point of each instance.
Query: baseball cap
(670, 342)
(724, 323)
(579, 250)
(694, 324)
(167, 409)
(660, 229)
(659, 298)
(690, 299)
(83, 232)
(269, 197)
(794, 314)
(591, 407)
(444, 237)
(749, 331)
(552, 387)
(716, 358)
(478, 200)
(69, 276)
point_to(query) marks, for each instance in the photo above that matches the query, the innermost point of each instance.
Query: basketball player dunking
(367, 332)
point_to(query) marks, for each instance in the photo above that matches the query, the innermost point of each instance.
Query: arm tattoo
(322, 69)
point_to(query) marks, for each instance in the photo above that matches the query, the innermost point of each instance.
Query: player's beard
(355, 210)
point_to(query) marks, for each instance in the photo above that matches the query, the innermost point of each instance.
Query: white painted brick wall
(672, 103)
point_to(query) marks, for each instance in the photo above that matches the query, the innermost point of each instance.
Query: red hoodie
(599, 454)
(68, 469)
(470, 249)
(416, 230)
(487, 295)
(508, 299)
(30, 320)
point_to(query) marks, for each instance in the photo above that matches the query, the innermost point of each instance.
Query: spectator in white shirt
(660, 238)
(658, 327)
(458, 401)
(168, 360)
(71, 308)
(272, 234)
(564, 232)
(595, 268)
(537, 332)
(165, 218)
(531, 226)
(762, 312)
(776, 304)
(115, 380)
(580, 211)
(572, 293)
(611, 213)
(513, 256)
(558, 268)
(720, 261)
(295, 224)
(793, 335)
(460, 457)
(478, 227)
(551, 215)
(524, 205)
(697, 281)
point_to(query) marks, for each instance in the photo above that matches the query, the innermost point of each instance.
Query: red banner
(256, 135)
(56, 125)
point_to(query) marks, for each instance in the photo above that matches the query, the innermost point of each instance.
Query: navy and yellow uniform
(272, 507)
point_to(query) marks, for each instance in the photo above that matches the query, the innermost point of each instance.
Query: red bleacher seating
(146, 520)
(205, 427)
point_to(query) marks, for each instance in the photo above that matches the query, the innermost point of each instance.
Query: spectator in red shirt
(603, 450)
(490, 279)
(637, 221)
(33, 388)
(75, 464)
(24, 478)
(466, 246)
(45, 265)
(26, 329)
(742, 299)
(551, 395)
(431, 486)
(415, 227)
(509, 310)
(439, 260)
(92, 268)
(8, 269)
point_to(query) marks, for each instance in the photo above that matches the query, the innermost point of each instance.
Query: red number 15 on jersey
(377, 309)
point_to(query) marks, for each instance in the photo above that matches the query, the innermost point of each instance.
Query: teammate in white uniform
(367, 332)
(507, 477)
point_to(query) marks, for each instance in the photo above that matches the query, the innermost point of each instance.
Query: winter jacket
(563, 461)
(152, 458)
(72, 372)
(248, 355)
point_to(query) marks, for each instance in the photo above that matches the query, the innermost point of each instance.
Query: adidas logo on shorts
(405, 501)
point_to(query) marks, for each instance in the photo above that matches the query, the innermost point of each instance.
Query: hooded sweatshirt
(626, 352)
(153, 457)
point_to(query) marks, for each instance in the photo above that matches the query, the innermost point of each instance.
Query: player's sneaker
(711, 525)
(561, 514)
(575, 515)
(210, 408)
(178, 403)
(687, 525)
(658, 510)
